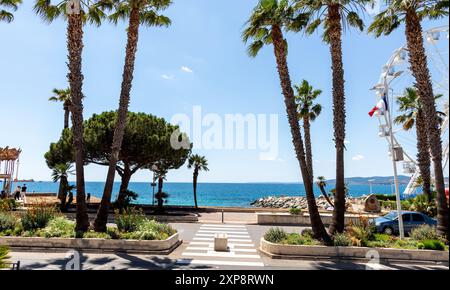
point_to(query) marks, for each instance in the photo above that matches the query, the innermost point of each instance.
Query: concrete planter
(314, 252)
(264, 218)
(94, 245)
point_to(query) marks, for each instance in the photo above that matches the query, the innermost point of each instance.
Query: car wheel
(388, 231)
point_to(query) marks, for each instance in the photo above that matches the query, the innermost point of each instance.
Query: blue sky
(204, 39)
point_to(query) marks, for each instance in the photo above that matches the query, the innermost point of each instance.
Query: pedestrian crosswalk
(241, 252)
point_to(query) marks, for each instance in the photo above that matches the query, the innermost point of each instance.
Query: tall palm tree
(411, 13)
(61, 173)
(145, 12)
(307, 112)
(8, 5)
(77, 13)
(412, 116)
(63, 96)
(334, 15)
(265, 27)
(322, 183)
(199, 163)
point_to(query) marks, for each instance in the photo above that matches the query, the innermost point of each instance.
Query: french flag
(382, 107)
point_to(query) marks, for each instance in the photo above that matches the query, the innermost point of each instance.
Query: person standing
(23, 192)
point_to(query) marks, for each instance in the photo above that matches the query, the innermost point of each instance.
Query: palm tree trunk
(280, 51)
(423, 155)
(160, 205)
(195, 186)
(419, 68)
(133, 32)
(62, 192)
(75, 48)
(66, 116)
(325, 194)
(335, 34)
(125, 181)
(309, 162)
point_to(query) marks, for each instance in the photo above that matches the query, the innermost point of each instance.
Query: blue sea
(213, 194)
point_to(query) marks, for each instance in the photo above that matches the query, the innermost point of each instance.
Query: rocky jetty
(292, 202)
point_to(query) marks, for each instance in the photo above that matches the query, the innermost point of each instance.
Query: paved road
(196, 253)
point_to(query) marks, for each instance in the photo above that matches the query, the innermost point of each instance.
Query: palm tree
(265, 27)
(61, 173)
(411, 106)
(334, 15)
(411, 13)
(145, 12)
(308, 112)
(63, 96)
(77, 13)
(199, 163)
(322, 183)
(5, 15)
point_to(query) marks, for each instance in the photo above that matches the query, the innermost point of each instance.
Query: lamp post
(383, 88)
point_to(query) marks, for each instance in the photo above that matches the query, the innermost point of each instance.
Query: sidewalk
(229, 217)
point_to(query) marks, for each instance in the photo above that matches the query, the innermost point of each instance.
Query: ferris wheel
(395, 78)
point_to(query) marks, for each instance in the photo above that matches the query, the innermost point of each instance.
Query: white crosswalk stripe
(241, 249)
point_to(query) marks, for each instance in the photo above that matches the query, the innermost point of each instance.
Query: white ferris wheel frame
(385, 120)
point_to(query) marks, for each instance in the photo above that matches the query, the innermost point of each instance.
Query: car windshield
(391, 216)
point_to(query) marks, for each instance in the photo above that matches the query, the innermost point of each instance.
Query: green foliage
(342, 240)
(58, 227)
(421, 204)
(304, 99)
(7, 221)
(424, 232)
(4, 251)
(37, 217)
(275, 235)
(308, 232)
(295, 211)
(147, 140)
(435, 245)
(297, 239)
(152, 230)
(96, 235)
(128, 197)
(8, 204)
(129, 220)
(7, 7)
(362, 232)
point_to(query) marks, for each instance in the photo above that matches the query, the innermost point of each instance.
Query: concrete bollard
(221, 243)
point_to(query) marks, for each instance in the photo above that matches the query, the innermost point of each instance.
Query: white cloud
(167, 77)
(358, 157)
(346, 142)
(187, 69)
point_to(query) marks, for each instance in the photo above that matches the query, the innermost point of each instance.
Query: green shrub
(8, 204)
(342, 240)
(435, 245)
(129, 220)
(297, 239)
(59, 227)
(295, 211)
(37, 217)
(275, 235)
(424, 232)
(4, 251)
(95, 235)
(308, 233)
(7, 221)
(405, 244)
(152, 230)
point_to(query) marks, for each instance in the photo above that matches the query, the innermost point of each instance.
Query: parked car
(388, 224)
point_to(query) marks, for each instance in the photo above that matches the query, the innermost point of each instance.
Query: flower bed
(356, 242)
(44, 227)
